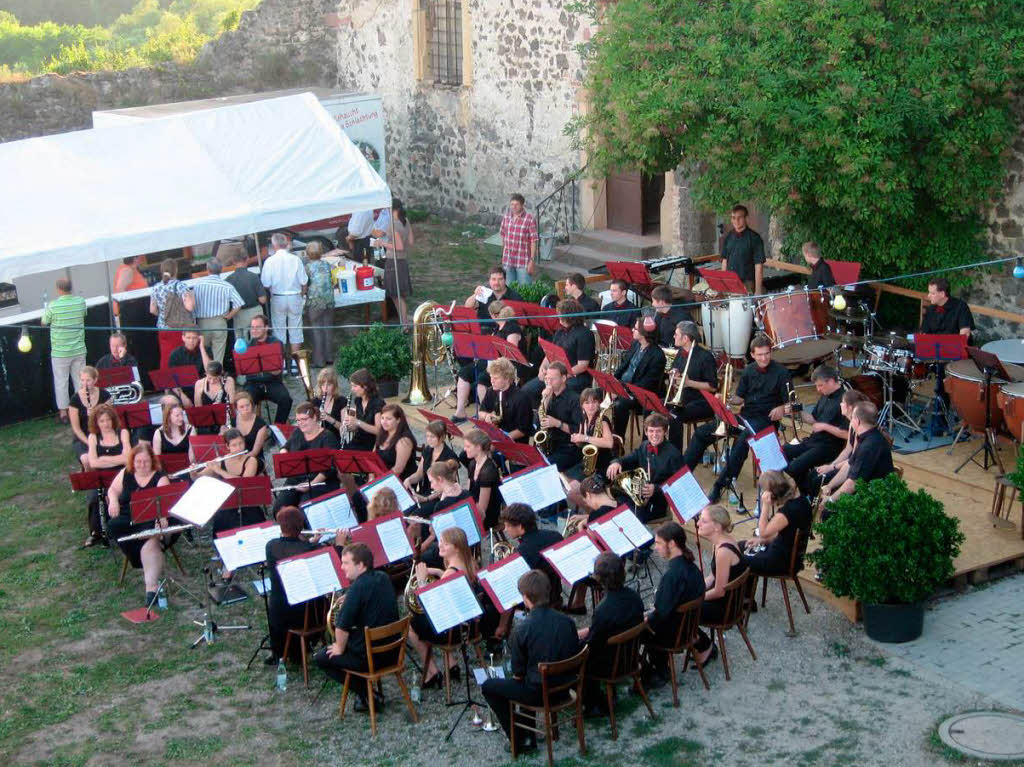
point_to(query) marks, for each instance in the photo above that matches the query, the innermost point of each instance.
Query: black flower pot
(387, 389)
(893, 623)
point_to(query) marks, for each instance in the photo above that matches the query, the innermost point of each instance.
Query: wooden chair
(1001, 510)
(796, 564)
(553, 703)
(453, 641)
(685, 642)
(174, 555)
(314, 624)
(625, 666)
(738, 599)
(377, 645)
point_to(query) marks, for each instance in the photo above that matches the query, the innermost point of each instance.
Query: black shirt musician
(562, 417)
(656, 456)
(643, 365)
(361, 429)
(499, 291)
(620, 309)
(268, 384)
(829, 430)
(666, 315)
(369, 603)
(520, 521)
(474, 371)
(576, 289)
(871, 457)
(946, 314)
(701, 376)
(763, 392)
(578, 343)
(282, 616)
(743, 251)
(821, 273)
(118, 356)
(309, 435)
(545, 636)
(504, 405)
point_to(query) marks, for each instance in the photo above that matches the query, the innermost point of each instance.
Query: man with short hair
(946, 314)
(562, 417)
(519, 522)
(497, 284)
(545, 636)
(666, 315)
(369, 603)
(743, 251)
(360, 227)
(286, 278)
(217, 301)
(118, 357)
(642, 365)
(192, 352)
(871, 457)
(518, 241)
(576, 289)
(250, 288)
(701, 376)
(66, 317)
(268, 384)
(659, 458)
(620, 309)
(504, 405)
(821, 273)
(829, 429)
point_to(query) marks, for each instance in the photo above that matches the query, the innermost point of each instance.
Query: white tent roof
(96, 195)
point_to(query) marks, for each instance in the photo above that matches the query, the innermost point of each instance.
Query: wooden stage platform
(966, 495)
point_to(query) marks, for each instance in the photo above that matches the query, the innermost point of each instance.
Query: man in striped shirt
(217, 301)
(66, 317)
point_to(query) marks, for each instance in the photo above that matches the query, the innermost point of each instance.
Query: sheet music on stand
(449, 602)
(684, 494)
(333, 510)
(573, 558)
(281, 432)
(198, 505)
(620, 531)
(767, 451)
(405, 501)
(501, 581)
(247, 545)
(311, 575)
(463, 515)
(536, 486)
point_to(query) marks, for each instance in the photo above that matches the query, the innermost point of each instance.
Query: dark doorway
(634, 202)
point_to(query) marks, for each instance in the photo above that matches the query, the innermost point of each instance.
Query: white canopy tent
(97, 195)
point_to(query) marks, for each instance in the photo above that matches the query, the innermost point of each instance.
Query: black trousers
(336, 667)
(704, 437)
(498, 693)
(276, 392)
(698, 410)
(622, 408)
(802, 458)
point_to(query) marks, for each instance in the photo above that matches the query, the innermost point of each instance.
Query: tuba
(125, 394)
(301, 358)
(430, 321)
(631, 483)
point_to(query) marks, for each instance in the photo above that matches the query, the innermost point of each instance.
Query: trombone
(722, 428)
(676, 386)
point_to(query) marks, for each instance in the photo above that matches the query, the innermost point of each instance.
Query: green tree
(878, 128)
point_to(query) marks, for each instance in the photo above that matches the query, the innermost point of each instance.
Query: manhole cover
(985, 734)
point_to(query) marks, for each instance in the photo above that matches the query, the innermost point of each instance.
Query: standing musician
(715, 525)
(118, 356)
(88, 396)
(435, 449)
(946, 313)
(504, 404)
(484, 477)
(478, 370)
(268, 384)
(282, 616)
(871, 458)
(363, 426)
(251, 426)
(369, 603)
(141, 472)
(214, 388)
(821, 273)
(595, 429)
(659, 458)
(562, 417)
(701, 376)
(331, 403)
(762, 394)
(520, 522)
(643, 365)
(620, 309)
(577, 341)
(666, 315)
(576, 289)
(743, 251)
(829, 428)
(309, 435)
(109, 446)
(545, 636)
(174, 432)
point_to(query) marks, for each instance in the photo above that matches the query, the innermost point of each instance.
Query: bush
(535, 291)
(384, 351)
(884, 544)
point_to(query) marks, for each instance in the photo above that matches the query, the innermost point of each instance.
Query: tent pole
(394, 256)
(115, 320)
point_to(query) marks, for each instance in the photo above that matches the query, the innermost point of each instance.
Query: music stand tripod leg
(265, 641)
(469, 702)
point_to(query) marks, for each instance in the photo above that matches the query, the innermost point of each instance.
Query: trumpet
(676, 386)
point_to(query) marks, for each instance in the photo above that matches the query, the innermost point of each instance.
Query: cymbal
(852, 313)
(893, 341)
(846, 339)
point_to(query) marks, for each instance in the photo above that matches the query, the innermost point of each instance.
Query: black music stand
(265, 641)
(732, 424)
(990, 366)
(99, 481)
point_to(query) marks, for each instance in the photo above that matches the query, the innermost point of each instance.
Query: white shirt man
(285, 277)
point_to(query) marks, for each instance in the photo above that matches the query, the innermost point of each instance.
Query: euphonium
(632, 484)
(301, 358)
(125, 394)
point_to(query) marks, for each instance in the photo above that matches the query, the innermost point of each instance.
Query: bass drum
(870, 385)
(965, 385)
(1010, 400)
(796, 323)
(728, 326)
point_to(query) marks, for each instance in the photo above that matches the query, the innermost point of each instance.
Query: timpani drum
(796, 322)
(1010, 400)
(728, 325)
(965, 384)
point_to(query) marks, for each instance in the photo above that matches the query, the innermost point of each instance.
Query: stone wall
(279, 44)
(463, 150)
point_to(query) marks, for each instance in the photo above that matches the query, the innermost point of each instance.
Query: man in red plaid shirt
(519, 242)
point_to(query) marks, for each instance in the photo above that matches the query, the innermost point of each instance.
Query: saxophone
(541, 438)
(590, 451)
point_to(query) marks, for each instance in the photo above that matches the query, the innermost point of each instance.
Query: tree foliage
(877, 128)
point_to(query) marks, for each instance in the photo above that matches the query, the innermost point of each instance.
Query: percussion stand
(893, 412)
(937, 411)
(265, 642)
(988, 446)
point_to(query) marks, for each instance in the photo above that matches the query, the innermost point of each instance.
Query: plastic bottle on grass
(161, 598)
(282, 676)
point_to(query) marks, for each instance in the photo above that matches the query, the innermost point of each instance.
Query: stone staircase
(590, 249)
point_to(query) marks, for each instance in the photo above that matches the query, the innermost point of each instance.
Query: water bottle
(416, 693)
(207, 628)
(282, 676)
(161, 598)
(343, 278)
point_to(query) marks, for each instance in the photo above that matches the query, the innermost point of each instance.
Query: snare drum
(888, 359)
(965, 384)
(1010, 400)
(796, 323)
(733, 326)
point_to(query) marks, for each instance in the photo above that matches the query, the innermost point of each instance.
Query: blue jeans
(517, 274)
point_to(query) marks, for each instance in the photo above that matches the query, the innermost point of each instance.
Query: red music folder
(465, 320)
(500, 581)
(573, 558)
(721, 411)
(181, 376)
(684, 494)
(632, 272)
(463, 514)
(648, 400)
(535, 315)
(609, 383)
(556, 353)
(303, 462)
(259, 358)
(155, 502)
(99, 479)
(384, 537)
(492, 431)
(249, 491)
(449, 425)
(723, 281)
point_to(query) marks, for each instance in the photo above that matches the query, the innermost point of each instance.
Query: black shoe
(528, 746)
(270, 660)
(716, 493)
(150, 599)
(360, 706)
(434, 683)
(713, 656)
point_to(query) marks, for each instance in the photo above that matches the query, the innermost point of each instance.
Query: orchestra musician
(946, 314)
(505, 405)
(562, 417)
(484, 476)
(620, 309)
(784, 513)
(578, 343)
(643, 365)
(520, 522)
(715, 526)
(369, 603)
(174, 432)
(701, 376)
(309, 435)
(88, 396)
(479, 370)
(851, 398)
(109, 446)
(595, 429)
(141, 472)
(240, 466)
(268, 384)
(282, 616)
(331, 403)
(545, 636)
(364, 425)
(659, 458)
(576, 289)
(214, 388)
(870, 459)
(251, 426)
(446, 491)
(667, 316)
(498, 285)
(435, 449)
(396, 445)
(192, 352)
(743, 251)
(821, 273)
(829, 429)
(762, 395)
(118, 357)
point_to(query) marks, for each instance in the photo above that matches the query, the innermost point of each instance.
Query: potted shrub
(889, 548)
(384, 351)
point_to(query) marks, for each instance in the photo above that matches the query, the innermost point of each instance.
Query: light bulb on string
(1018, 269)
(839, 302)
(24, 342)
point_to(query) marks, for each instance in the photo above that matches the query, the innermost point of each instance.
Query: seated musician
(596, 430)
(141, 472)
(620, 610)
(109, 446)
(946, 313)
(545, 636)
(118, 356)
(484, 477)
(851, 398)
(268, 384)
(870, 459)
(363, 425)
(282, 616)
(396, 445)
(829, 430)
(331, 403)
(191, 352)
(562, 417)
(642, 365)
(596, 500)
(656, 456)
(578, 343)
(243, 465)
(715, 525)
(576, 289)
(498, 285)
(762, 394)
(214, 388)
(478, 371)
(435, 450)
(309, 435)
(369, 603)
(504, 404)
(620, 309)
(251, 426)
(446, 491)
(682, 582)
(666, 315)
(821, 272)
(88, 396)
(383, 503)
(520, 522)
(784, 513)
(701, 375)
(457, 558)
(173, 434)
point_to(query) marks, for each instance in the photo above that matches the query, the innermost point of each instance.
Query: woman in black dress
(250, 423)
(715, 525)
(444, 482)
(172, 436)
(109, 446)
(331, 402)
(81, 406)
(436, 449)
(214, 388)
(596, 501)
(484, 476)
(280, 615)
(363, 425)
(309, 436)
(396, 444)
(141, 472)
(231, 468)
(784, 513)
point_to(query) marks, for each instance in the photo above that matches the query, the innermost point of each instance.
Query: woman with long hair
(436, 448)
(109, 446)
(715, 526)
(331, 401)
(395, 443)
(363, 424)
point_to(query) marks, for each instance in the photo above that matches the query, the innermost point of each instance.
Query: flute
(330, 530)
(295, 487)
(204, 464)
(154, 532)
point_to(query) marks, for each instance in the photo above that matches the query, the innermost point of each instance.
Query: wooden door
(625, 202)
